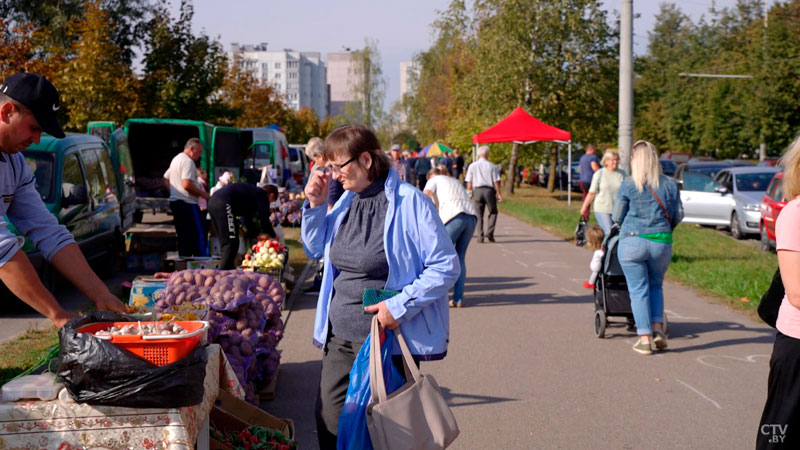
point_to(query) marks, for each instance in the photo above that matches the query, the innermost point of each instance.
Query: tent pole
(558, 174)
(569, 177)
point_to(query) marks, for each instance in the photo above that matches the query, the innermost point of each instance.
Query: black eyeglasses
(337, 169)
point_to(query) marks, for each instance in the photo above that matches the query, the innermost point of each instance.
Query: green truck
(154, 142)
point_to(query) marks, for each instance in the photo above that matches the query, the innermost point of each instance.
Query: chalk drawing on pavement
(521, 263)
(699, 393)
(748, 359)
(674, 315)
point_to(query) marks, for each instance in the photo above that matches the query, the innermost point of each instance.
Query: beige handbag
(415, 416)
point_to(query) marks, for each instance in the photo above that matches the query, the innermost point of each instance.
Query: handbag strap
(659, 202)
(376, 381)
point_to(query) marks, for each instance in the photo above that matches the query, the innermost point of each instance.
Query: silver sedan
(731, 199)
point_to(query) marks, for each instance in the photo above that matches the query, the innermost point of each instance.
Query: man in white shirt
(181, 178)
(483, 181)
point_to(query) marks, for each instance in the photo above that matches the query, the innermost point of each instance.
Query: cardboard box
(144, 289)
(232, 414)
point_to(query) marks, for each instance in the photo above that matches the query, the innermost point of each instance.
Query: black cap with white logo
(37, 94)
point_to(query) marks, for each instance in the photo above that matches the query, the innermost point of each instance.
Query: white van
(265, 147)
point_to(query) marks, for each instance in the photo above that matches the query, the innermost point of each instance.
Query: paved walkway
(525, 371)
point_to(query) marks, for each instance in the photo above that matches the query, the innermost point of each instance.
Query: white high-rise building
(300, 76)
(340, 80)
(407, 70)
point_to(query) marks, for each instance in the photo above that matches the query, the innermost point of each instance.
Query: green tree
(182, 72)
(249, 102)
(127, 20)
(557, 59)
(93, 85)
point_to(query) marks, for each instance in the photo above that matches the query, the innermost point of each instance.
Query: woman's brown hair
(349, 141)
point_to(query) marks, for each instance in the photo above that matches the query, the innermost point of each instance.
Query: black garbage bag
(98, 372)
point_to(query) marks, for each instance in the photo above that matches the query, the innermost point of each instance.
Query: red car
(771, 205)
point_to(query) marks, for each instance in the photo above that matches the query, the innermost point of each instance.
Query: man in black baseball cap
(28, 106)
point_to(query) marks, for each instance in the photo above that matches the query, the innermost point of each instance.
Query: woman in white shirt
(458, 215)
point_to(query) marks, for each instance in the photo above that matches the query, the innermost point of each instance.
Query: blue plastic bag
(352, 431)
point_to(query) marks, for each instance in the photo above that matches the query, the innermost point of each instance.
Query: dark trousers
(227, 228)
(780, 421)
(189, 227)
(486, 196)
(337, 360)
(422, 179)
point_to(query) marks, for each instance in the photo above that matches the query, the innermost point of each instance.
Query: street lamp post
(626, 84)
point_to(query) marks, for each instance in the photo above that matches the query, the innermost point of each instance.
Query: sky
(401, 27)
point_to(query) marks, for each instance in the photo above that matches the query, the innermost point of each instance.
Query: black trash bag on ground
(580, 232)
(100, 373)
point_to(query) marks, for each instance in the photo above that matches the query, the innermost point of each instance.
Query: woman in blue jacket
(383, 234)
(648, 208)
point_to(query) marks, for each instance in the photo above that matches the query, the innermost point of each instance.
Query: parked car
(699, 159)
(772, 203)
(731, 199)
(678, 157)
(668, 167)
(298, 163)
(739, 162)
(708, 169)
(78, 185)
(769, 161)
(747, 184)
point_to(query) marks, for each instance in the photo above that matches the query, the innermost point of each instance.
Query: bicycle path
(524, 369)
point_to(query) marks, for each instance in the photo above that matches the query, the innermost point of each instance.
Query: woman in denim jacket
(648, 208)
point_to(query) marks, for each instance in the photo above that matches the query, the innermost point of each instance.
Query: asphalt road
(17, 317)
(525, 371)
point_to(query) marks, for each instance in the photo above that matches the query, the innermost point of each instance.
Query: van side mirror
(74, 195)
(721, 189)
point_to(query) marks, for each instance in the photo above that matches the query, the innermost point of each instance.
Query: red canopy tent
(520, 127)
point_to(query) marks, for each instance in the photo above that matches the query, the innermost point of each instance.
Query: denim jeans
(604, 220)
(644, 263)
(460, 229)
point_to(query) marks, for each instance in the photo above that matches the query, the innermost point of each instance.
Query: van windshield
(41, 165)
(262, 154)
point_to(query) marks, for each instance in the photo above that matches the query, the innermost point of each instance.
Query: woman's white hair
(314, 147)
(645, 168)
(607, 155)
(483, 151)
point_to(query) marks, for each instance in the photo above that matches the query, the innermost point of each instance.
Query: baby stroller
(611, 297)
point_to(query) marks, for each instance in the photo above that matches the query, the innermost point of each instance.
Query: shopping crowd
(399, 227)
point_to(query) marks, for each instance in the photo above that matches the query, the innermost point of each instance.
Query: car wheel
(765, 245)
(736, 232)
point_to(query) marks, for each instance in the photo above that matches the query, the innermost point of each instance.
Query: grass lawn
(702, 258)
(22, 353)
(297, 257)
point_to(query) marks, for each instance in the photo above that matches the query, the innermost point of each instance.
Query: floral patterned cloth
(33, 425)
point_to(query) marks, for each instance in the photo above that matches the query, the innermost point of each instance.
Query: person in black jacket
(230, 203)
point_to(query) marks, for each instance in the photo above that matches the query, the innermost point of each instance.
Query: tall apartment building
(340, 80)
(300, 76)
(407, 70)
